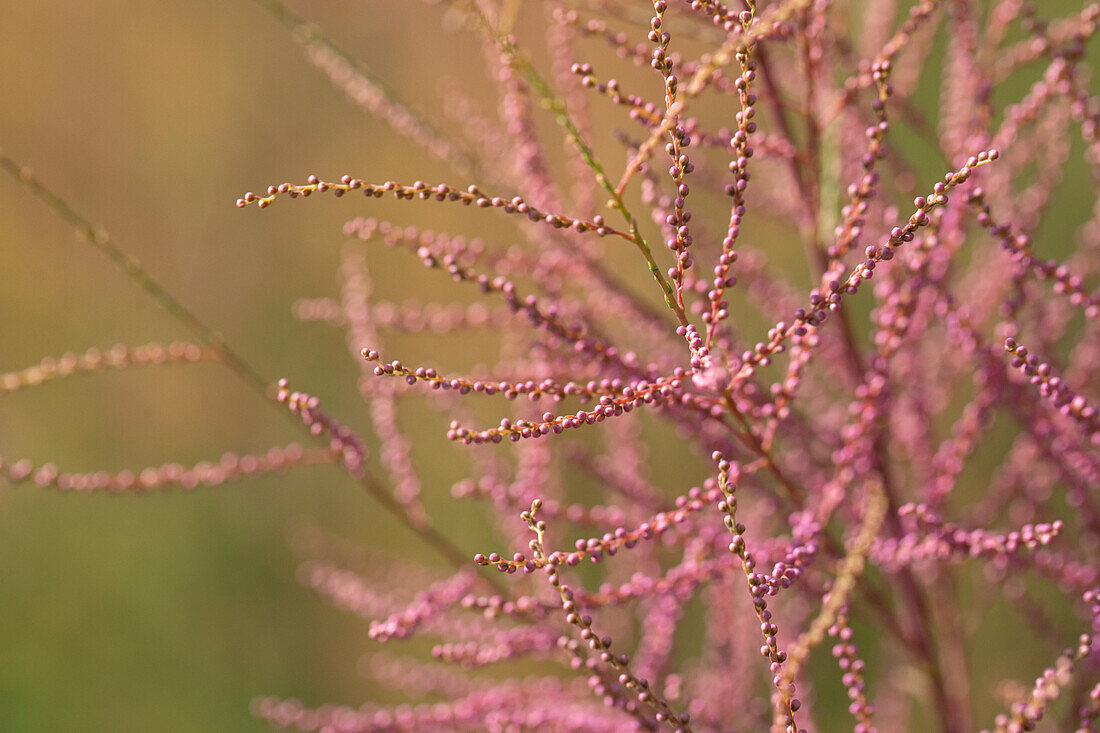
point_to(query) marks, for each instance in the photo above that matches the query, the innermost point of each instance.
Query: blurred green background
(170, 612)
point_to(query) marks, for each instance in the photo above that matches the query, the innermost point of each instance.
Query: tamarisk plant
(834, 437)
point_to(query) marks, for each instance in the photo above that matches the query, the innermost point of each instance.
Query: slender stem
(797, 164)
(557, 106)
(795, 493)
(923, 627)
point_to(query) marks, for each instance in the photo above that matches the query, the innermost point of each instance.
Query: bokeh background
(171, 611)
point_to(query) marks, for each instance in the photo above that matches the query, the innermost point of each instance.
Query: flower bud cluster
(343, 441)
(1061, 395)
(230, 467)
(119, 356)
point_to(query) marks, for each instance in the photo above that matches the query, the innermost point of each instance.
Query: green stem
(556, 105)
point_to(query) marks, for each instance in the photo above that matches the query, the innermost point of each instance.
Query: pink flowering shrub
(646, 310)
